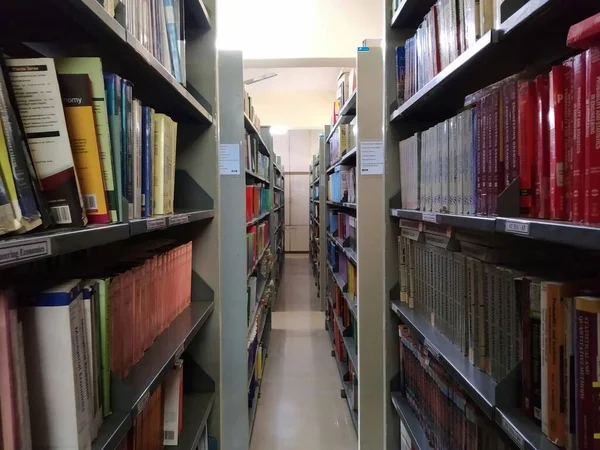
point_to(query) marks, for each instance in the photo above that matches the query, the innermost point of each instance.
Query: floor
(300, 407)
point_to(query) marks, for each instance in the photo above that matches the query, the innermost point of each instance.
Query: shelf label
(142, 403)
(11, 253)
(371, 158)
(229, 159)
(517, 227)
(512, 432)
(434, 352)
(430, 217)
(156, 224)
(179, 219)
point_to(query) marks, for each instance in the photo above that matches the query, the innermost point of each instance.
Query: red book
(496, 153)
(542, 180)
(585, 34)
(568, 94)
(479, 157)
(579, 129)
(527, 138)
(510, 142)
(592, 145)
(557, 143)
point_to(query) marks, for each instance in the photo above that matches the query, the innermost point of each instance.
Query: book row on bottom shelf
(104, 321)
(507, 307)
(524, 146)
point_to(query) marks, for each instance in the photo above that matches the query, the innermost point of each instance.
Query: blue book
(400, 73)
(127, 143)
(112, 86)
(173, 38)
(147, 133)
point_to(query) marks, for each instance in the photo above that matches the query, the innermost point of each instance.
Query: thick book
(542, 181)
(173, 413)
(112, 85)
(557, 143)
(58, 381)
(592, 141)
(147, 155)
(136, 172)
(158, 163)
(36, 89)
(400, 73)
(585, 33)
(79, 113)
(92, 345)
(92, 67)
(127, 144)
(579, 131)
(173, 38)
(527, 139)
(568, 128)
(23, 173)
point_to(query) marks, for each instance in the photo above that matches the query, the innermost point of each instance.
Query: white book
(57, 380)
(92, 336)
(172, 412)
(136, 115)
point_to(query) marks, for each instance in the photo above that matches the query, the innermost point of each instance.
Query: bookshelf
(252, 205)
(84, 28)
(314, 216)
(520, 41)
(351, 263)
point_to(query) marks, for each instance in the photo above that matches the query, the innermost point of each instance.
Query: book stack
(342, 184)
(159, 26)
(447, 416)
(255, 160)
(95, 145)
(59, 399)
(250, 111)
(258, 201)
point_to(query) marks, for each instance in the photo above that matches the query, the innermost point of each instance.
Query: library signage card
(13, 252)
(371, 158)
(229, 159)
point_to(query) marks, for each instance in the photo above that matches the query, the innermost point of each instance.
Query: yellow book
(158, 164)
(10, 211)
(173, 161)
(78, 104)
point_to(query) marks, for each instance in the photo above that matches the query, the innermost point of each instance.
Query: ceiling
(306, 43)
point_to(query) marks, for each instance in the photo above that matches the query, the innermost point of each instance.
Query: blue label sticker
(363, 49)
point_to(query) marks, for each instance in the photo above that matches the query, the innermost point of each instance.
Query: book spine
(580, 105)
(112, 83)
(568, 392)
(535, 316)
(20, 165)
(10, 211)
(557, 143)
(522, 290)
(79, 115)
(526, 139)
(400, 73)
(173, 38)
(147, 148)
(592, 145)
(158, 165)
(545, 406)
(542, 182)
(488, 174)
(48, 137)
(473, 172)
(127, 143)
(497, 152)
(569, 110)
(479, 156)
(506, 133)
(136, 172)
(586, 372)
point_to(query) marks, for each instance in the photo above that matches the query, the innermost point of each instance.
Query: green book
(103, 285)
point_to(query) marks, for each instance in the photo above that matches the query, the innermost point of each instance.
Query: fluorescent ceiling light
(278, 130)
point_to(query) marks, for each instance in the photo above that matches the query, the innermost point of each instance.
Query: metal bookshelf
(532, 32)
(246, 333)
(362, 345)
(83, 27)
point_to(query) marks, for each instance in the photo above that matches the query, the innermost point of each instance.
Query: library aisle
(300, 405)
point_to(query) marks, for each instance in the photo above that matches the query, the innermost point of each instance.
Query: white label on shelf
(229, 159)
(179, 219)
(517, 227)
(434, 352)
(513, 433)
(11, 253)
(156, 224)
(430, 217)
(371, 158)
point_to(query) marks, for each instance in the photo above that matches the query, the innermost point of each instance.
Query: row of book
(257, 239)
(250, 111)
(342, 141)
(448, 417)
(449, 29)
(70, 151)
(342, 266)
(501, 304)
(103, 322)
(258, 201)
(343, 227)
(342, 184)
(255, 161)
(160, 27)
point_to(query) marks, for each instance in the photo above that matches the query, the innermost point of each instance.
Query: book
(159, 163)
(93, 351)
(127, 145)
(10, 436)
(557, 142)
(10, 211)
(93, 68)
(30, 206)
(579, 126)
(568, 130)
(173, 37)
(147, 155)
(57, 382)
(47, 136)
(79, 114)
(592, 143)
(527, 147)
(112, 83)
(585, 33)
(136, 159)
(173, 412)
(542, 181)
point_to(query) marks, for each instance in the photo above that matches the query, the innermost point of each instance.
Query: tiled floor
(300, 406)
